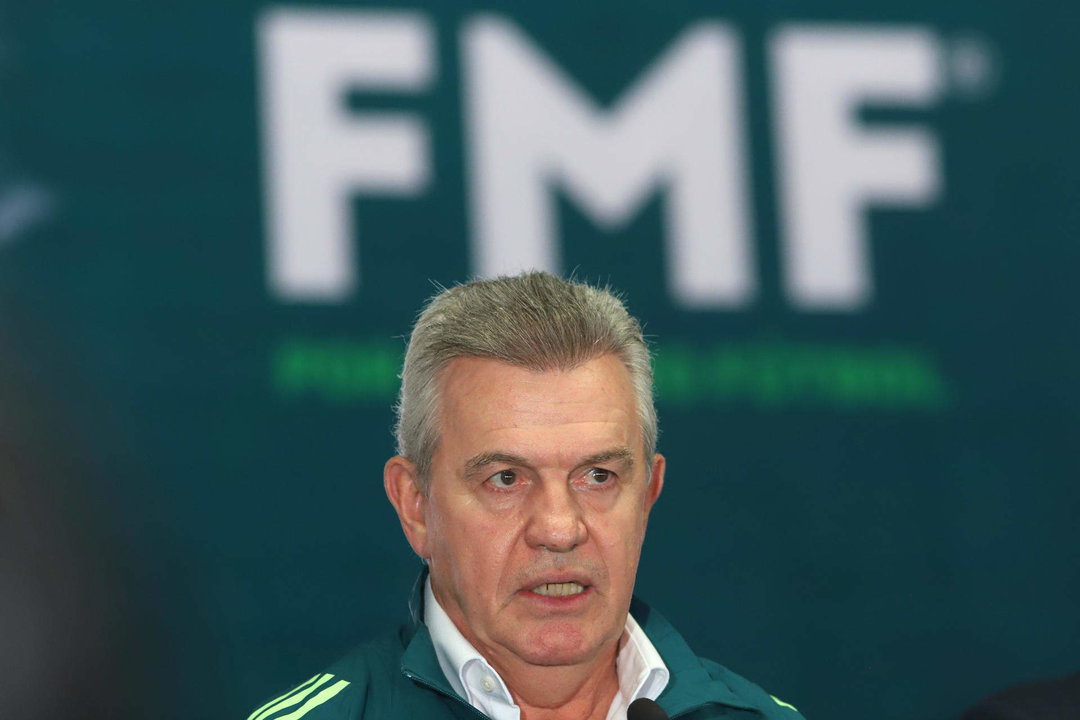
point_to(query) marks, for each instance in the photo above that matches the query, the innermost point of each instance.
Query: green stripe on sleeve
(316, 701)
(781, 703)
(290, 698)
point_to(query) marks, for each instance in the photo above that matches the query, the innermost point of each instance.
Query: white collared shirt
(640, 669)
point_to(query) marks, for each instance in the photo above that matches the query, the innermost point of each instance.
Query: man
(525, 477)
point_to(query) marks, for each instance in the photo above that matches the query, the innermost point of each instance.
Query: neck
(575, 692)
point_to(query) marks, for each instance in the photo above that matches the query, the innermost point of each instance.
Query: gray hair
(535, 321)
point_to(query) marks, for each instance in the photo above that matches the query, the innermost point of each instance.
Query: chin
(555, 657)
(559, 646)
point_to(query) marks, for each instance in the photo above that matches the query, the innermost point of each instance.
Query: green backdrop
(870, 510)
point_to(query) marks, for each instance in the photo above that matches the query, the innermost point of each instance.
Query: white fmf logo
(679, 129)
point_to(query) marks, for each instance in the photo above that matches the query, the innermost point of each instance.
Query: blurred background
(850, 229)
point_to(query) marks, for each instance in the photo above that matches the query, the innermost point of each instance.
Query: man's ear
(656, 483)
(402, 485)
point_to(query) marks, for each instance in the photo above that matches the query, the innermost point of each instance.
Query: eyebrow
(489, 458)
(622, 454)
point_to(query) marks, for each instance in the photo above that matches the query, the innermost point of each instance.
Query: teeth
(558, 589)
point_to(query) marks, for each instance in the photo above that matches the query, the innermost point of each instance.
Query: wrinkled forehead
(487, 402)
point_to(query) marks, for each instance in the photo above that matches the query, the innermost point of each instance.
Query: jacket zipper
(417, 679)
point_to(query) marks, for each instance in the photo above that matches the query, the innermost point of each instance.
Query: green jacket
(399, 678)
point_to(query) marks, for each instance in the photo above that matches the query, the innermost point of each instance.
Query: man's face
(537, 507)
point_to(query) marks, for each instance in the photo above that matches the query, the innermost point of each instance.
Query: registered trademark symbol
(971, 66)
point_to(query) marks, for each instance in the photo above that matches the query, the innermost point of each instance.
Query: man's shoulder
(767, 703)
(345, 691)
(699, 685)
(372, 662)
(322, 697)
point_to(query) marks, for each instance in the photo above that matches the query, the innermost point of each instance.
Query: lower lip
(563, 602)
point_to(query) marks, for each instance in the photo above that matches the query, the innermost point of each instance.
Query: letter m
(677, 128)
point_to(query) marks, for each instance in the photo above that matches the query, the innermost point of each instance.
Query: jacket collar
(419, 661)
(690, 685)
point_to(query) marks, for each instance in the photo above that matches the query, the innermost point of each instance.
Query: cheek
(446, 541)
(619, 540)
(476, 545)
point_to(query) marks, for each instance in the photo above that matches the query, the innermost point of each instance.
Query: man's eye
(599, 476)
(503, 479)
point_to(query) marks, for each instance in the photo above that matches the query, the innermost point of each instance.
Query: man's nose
(555, 522)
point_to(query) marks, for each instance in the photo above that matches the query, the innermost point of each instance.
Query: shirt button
(488, 683)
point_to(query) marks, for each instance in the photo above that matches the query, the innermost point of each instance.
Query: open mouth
(560, 589)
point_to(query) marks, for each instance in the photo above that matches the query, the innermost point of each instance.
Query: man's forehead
(473, 385)
(500, 406)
